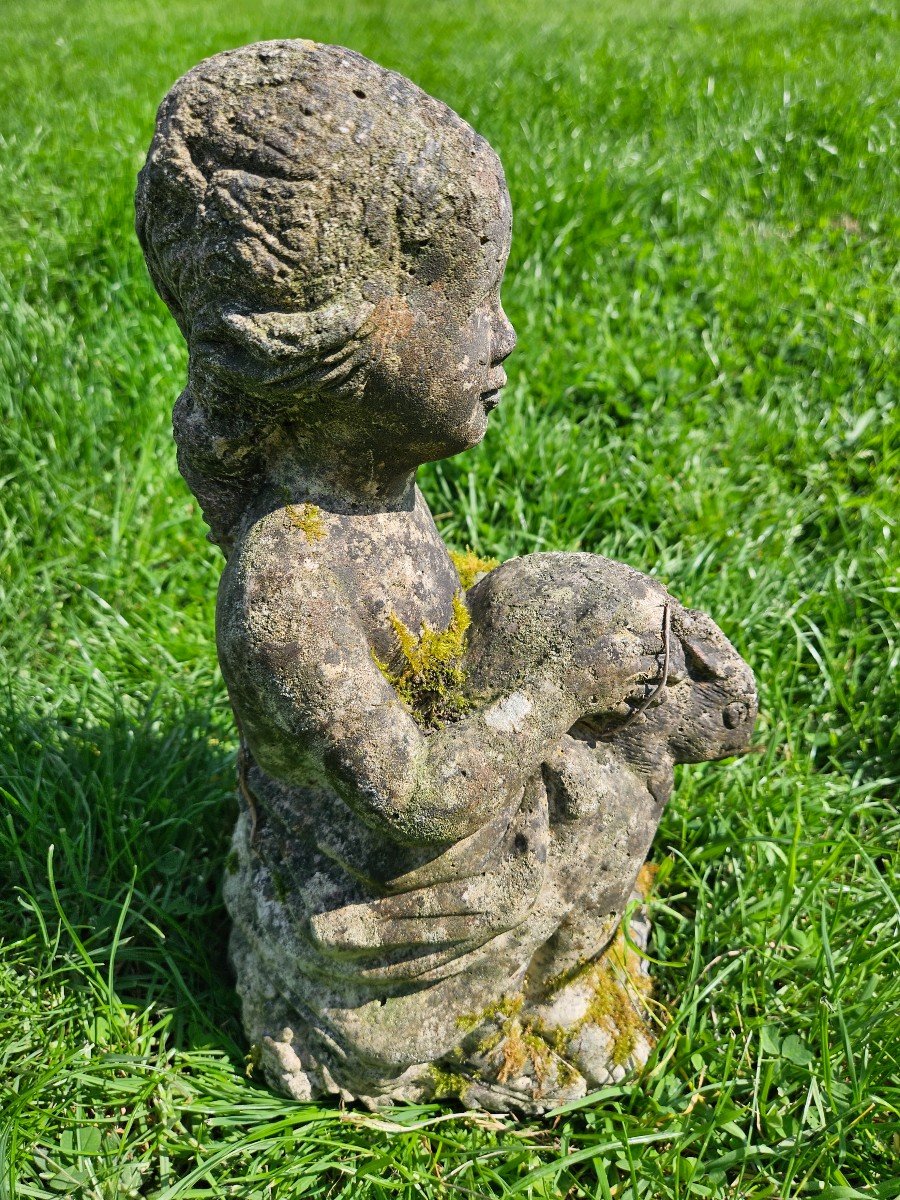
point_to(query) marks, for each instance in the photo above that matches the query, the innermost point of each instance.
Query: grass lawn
(703, 280)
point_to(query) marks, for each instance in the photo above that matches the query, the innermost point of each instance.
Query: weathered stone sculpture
(447, 796)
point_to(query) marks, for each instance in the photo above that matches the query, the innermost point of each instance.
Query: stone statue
(447, 796)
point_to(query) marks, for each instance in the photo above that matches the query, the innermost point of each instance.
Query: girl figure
(424, 892)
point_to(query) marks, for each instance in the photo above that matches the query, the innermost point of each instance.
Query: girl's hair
(289, 192)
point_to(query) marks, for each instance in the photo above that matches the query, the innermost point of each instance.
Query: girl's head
(331, 242)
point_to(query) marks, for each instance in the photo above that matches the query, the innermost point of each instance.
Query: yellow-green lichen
(252, 1060)
(447, 1083)
(501, 1012)
(469, 566)
(557, 982)
(517, 1042)
(469, 1021)
(308, 519)
(530, 1043)
(619, 990)
(427, 673)
(491, 1040)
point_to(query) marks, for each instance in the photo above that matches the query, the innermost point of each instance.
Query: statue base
(527, 1055)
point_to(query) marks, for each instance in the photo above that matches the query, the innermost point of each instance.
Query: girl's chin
(477, 425)
(455, 441)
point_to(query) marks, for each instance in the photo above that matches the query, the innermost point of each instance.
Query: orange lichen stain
(516, 1042)
(646, 879)
(390, 321)
(513, 1051)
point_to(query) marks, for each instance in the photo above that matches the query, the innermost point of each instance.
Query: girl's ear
(274, 354)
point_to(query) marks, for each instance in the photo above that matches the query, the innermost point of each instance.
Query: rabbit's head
(707, 705)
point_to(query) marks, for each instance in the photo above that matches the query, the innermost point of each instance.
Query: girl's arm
(313, 704)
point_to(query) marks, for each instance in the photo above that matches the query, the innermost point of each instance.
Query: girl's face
(437, 348)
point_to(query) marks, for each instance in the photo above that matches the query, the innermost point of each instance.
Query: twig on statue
(648, 700)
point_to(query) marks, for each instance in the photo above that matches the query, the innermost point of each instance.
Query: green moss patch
(470, 567)
(308, 519)
(427, 672)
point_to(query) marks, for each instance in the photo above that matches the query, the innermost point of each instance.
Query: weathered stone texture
(447, 798)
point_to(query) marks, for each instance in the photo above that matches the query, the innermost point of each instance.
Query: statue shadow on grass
(138, 813)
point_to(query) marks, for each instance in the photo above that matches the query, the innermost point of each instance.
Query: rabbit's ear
(704, 662)
(708, 655)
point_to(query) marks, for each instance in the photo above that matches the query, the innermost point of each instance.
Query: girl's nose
(503, 338)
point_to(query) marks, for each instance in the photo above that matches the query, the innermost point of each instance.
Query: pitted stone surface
(419, 909)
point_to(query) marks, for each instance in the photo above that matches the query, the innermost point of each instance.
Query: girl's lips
(491, 398)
